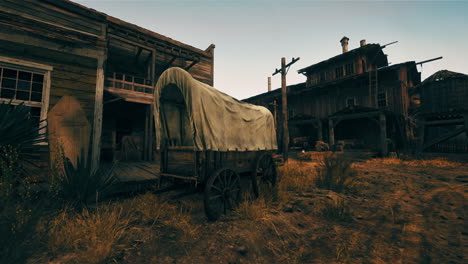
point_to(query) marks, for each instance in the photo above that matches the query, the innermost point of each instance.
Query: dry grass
(91, 236)
(99, 234)
(434, 162)
(337, 209)
(254, 210)
(335, 173)
(296, 176)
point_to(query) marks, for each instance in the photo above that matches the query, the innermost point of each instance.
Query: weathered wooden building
(443, 112)
(355, 98)
(91, 74)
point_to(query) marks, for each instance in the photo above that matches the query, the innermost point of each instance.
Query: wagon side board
(186, 162)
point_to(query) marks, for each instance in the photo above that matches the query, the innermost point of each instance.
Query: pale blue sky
(252, 36)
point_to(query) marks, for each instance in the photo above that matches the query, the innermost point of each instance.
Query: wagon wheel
(222, 193)
(264, 175)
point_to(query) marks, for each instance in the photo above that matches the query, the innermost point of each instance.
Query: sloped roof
(366, 49)
(442, 75)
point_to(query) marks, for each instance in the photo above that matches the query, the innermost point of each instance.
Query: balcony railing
(129, 83)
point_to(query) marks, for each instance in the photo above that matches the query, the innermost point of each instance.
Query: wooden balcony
(130, 88)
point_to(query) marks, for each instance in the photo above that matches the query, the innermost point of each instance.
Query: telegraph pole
(284, 103)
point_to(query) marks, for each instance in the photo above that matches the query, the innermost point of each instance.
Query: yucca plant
(20, 136)
(19, 131)
(80, 185)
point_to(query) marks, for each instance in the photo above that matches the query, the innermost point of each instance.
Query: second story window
(382, 99)
(339, 72)
(349, 69)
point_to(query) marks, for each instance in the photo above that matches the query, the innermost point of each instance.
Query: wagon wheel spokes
(264, 175)
(222, 193)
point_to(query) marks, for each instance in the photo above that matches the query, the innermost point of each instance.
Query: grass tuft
(91, 235)
(337, 209)
(335, 173)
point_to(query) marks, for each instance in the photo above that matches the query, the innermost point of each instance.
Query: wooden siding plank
(50, 14)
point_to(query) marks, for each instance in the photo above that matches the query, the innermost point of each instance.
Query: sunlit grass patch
(296, 176)
(90, 235)
(432, 162)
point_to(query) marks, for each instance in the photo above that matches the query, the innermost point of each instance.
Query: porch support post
(331, 131)
(383, 134)
(319, 130)
(98, 109)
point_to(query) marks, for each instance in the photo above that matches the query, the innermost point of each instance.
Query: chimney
(269, 84)
(344, 44)
(362, 43)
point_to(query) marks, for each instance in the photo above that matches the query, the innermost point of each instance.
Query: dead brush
(250, 209)
(337, 209)
(151, 211)
(295, 176)
(416, 162)
(335, 173)
(91, 236)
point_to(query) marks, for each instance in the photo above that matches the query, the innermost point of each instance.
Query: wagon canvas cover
(214, 121)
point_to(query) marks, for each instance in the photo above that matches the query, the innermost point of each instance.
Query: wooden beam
(138, 53)
(445, 122)
(191, 65)
(357, 115)
(383, 135)
(113, 100)
(284, 107)
(319, 130)
(444, 137)
(331, 133)
(169, 63)
(466, 123)
(98, 110)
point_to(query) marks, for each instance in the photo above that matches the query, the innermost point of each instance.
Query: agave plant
(20, 136)
(19, 131)
(79, 185)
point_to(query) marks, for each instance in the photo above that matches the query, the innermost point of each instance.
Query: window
(350, 102)
(382, 99)
(349, 69)
(27, 83)
(339, 72)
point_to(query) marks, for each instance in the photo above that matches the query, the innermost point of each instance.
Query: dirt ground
(401, 212)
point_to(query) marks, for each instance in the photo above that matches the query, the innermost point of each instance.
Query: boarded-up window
(382, 99)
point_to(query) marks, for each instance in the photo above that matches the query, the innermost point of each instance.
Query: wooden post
(284, 109)
(275, 106)
(383, 134)
(466, 122)
(284, 104)
(319, 130)
(98, 109)
(269, 84)
(331, 133)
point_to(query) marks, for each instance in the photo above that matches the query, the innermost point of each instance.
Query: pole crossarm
(294, 60)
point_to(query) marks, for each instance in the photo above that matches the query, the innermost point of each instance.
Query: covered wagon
(210, 138)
